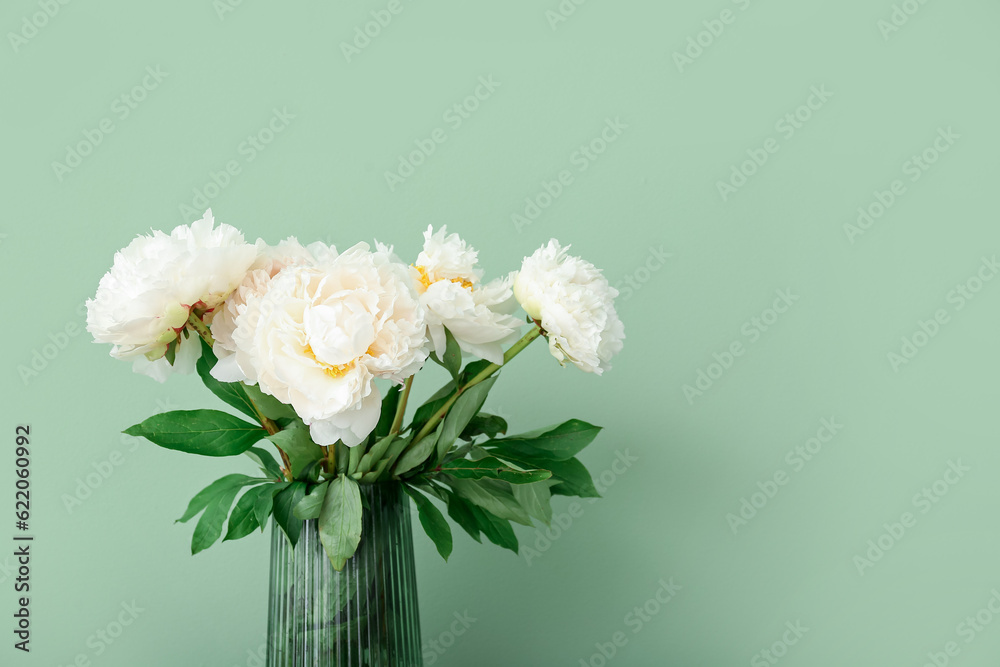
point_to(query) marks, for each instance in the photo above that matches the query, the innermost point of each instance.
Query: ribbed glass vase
(363, 616)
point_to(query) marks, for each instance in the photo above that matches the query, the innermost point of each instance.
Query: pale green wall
(654, 188)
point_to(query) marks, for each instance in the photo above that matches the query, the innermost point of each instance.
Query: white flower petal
(352, 427)
(316, 335)
(477, 315)
(575, 305)
(144, 300)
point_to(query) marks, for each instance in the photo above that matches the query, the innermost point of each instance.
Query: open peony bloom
(477, 315)
(144, 301)
(320, 333)
(574, 304)
(256, 282)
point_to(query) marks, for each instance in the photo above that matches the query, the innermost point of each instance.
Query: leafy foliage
(204, 432)
(484, 479)
(340, 520)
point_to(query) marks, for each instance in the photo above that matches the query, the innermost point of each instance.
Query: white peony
(270, 260)
(144, 301)
(319, 336)
(574, 304)
(477, 315)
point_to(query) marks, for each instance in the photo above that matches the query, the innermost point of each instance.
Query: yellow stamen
(332, 371)
(426, 281)
(424, 278)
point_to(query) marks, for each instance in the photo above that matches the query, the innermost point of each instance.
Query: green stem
(199, 326)
(397, 422)
(514, 350)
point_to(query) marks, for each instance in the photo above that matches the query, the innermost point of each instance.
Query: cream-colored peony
(574, 304)
(270, 260)
(319, 335)
(144, 301)
(477, 315)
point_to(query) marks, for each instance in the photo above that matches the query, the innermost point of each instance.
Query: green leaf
(310, 505)
(340, 520)
(233, 393)
(433, 404)
(284, 504)
(560, 442)
(433, 521)
(266, 461)
(356, 454)
(388, 413)
(343, 456)
(494, 469)
(452, 359)
(171, 353)
(432, 490)
(497, 530)
(572, 476)
(298, 446)
(392, 453)
(374, 454)
(461, 512)
(416, 454)
(472, 369)
(243, 520)
(484, 424)
(209, 526)
(265, 503)
(535, 499)
(204, 432)
(268, 405)
(213, 491)
(496, 501)
(461, 413)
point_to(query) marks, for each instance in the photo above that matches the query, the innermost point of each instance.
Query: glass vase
(363, 616)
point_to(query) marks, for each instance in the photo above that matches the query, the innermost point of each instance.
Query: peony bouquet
(318, 349)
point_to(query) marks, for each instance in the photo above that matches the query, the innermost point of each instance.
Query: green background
(654, 189)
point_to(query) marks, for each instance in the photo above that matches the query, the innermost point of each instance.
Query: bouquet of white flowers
(295, 337)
